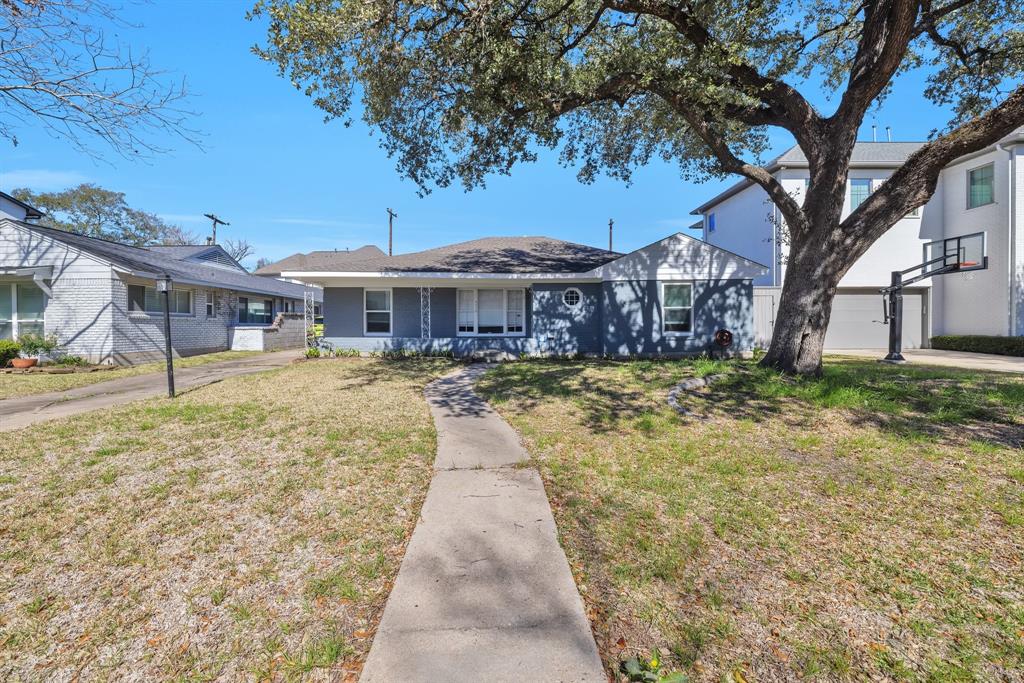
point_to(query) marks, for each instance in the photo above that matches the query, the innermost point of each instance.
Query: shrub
(9, 350)
(33, 345)
(312, 352)
(72, 360)
(1002, 346)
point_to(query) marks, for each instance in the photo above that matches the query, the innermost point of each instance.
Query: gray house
(99, 299)
(538, 296)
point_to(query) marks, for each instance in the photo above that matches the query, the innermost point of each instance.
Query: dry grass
(13, 385)
(865, 526)
(247, 530)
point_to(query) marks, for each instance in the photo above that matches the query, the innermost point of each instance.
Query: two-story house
(983, 191)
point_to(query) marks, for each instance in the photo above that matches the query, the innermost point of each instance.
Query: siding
(632, 317)
(558, 329)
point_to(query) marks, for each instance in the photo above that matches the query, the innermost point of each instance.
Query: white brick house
(98, 297)
(983, 191)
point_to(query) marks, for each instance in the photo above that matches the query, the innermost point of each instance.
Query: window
(21, 309)
(211, 303)
(979, 186)
(711, 222)
(147, 300)
(677, 308)
(860, 189)
(255, 311)
(491, 311)
(572, 297)
(377, 307)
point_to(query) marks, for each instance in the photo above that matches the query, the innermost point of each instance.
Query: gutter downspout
(1012, 292)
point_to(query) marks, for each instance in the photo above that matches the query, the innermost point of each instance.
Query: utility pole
(611, 222)
(216, 222)
(391, 225)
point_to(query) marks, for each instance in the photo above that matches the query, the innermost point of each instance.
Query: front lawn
(868, 525)
(13, 385)
(247, 530)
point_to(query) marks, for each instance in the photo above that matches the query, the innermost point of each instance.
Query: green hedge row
(1003, 346)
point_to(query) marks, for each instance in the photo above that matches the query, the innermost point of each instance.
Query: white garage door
(853, 325)
(856, 316)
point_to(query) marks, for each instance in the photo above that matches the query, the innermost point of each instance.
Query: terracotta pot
(23, 363)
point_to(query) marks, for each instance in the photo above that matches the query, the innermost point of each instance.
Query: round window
(572, 297)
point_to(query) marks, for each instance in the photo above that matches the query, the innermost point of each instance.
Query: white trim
(661, 306)
(314, 275)
(476, 312)
(15, 319)
(390, 312)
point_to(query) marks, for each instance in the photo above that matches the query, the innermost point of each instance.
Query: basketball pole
(895, 317)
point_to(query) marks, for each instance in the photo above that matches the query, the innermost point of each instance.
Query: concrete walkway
(949, 359)
(16, 413)
(484, 592)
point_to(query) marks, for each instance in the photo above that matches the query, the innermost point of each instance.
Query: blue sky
(288, 182)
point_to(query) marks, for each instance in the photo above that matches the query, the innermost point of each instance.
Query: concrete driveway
(949, 359)
(16, 413)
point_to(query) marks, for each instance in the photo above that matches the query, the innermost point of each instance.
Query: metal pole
(167, 343)
(611, 222)
(896, 318)
(391, 218)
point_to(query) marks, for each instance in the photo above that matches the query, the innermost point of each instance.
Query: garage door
(856, 316)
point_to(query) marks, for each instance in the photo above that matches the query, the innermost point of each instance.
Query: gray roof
(319, 260)
(486, 255)
(180, 250)
(865, 155)
(146, 262)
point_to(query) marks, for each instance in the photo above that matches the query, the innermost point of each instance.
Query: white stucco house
(983, 191)
(98, 297)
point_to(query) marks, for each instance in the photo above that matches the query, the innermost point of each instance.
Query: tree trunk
(805, 307)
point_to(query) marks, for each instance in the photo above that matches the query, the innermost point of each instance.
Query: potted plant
(33, 347)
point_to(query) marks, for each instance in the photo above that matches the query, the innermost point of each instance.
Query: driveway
(16, 413)
(951, 359)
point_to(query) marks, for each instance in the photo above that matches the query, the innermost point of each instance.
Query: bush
(34, 345)
(312, 352)
(1002, 346)
(8, 350)
(72, 361)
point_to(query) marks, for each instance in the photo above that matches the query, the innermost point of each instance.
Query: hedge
(1002, 346)
(8, 351)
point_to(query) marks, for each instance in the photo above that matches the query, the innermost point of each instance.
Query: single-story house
(99, 298)
(537, 295)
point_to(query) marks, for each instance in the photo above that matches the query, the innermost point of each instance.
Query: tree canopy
(91, 210)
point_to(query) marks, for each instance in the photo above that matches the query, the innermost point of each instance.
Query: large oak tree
(463, 89)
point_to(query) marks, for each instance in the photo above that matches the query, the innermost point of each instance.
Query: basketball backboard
(966, 252)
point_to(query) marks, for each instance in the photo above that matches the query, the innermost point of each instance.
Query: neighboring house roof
(150, 263)
(485, 255)
(865, 155)
(31, 212)
(319, 260)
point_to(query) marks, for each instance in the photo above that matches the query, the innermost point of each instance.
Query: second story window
(979, 186)
(860, 189)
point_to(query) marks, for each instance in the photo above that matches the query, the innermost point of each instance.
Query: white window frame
(211, 303)
(143, 312)
(967, 186)
(390, 312)
(579, 298)
(476, 312)
(16, 319)
(661, 304)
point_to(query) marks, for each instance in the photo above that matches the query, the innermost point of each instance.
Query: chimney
(209, 240)
(888, 133)
(874, 132)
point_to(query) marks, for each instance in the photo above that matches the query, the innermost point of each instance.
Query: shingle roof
(179, 250)
(319, 260)
(863, 152)
(147, 262)
(486, 255)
